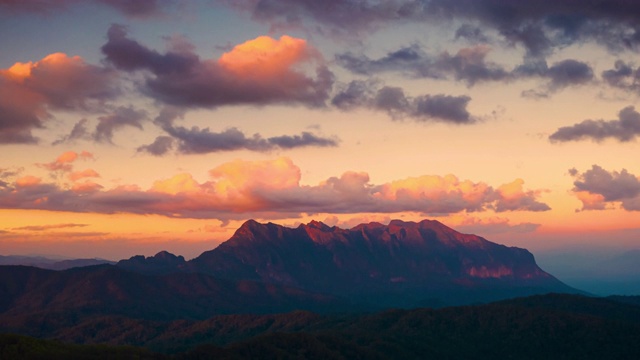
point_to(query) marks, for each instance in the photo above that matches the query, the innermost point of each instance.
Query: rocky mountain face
(400, 264)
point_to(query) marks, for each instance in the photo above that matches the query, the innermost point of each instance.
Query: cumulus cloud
(625, 128)
(240, 189)
(597, 188)
(392, 100)
(258, 72)
(29, 91)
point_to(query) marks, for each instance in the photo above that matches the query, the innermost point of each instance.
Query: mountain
(161, 263)
(52, 264)
(268, 268)
(34, 301)
(400, 264)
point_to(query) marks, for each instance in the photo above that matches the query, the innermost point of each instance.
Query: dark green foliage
(550, 326)
(23, 347)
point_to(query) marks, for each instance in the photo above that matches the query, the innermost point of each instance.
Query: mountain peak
(319, 225)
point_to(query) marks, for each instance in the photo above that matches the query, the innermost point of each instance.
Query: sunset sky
(130, 127)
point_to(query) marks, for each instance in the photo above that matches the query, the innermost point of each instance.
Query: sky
(131, 127)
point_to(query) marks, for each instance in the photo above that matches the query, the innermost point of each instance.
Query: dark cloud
(134, 9)
(469, 65)
(560, 75)
(466, 65)
(30, 91)
(626, 128)
(160, 146)
(538, 26)
(120, 118)
(79, 131)
(411, 60)
(168, 115)
(368, 94)
(140, 8)
(472, 34)
(568, 73)
(202, 141)
(180, 78)
(448, 108)
(345, 18)
(606, 187)
(622, 76)
(302, 140)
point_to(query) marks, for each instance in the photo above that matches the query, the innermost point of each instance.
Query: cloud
(272, 189)
(203, 141)
(49, 227)
(439, 107)
(494, 225)
(87, 173)
(513, 197)
(568, 73)
(342, 18)
(468, 64)
(625, 129)
(29, 91)
(597, 188)
(65, 161)
(121, 117)
(79, 131)
(133, 9)
(258, 72)
(537, 26)
(622, 76)
(160, 146)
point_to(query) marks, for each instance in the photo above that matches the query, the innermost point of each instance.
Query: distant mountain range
(162, 301)
(48, 263)
(266, 268)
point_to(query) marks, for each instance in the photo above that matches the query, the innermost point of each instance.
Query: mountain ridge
(402, 257)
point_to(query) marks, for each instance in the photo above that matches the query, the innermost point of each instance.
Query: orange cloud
(28, 181)
(30, 90)
(259, 72)
(265, 57)
(435, 187)
(86, 187)
(272, 189)
(591, 201)
(65, 160)
(88, 173)
(181, 183)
